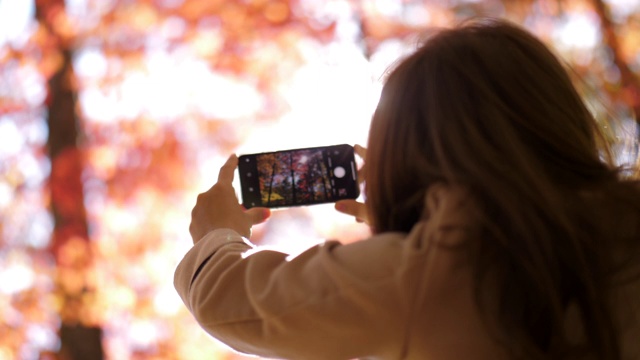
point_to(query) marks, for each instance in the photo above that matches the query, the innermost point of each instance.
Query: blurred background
(115, 114)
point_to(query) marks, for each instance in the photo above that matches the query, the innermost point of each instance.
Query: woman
(499, 232)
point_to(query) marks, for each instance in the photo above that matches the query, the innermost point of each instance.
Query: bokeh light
(165, 91)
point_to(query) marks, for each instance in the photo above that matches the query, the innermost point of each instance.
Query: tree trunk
(80, 338)
(273, 174)
(293, 179)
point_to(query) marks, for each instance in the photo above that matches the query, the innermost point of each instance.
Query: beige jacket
(393, 296)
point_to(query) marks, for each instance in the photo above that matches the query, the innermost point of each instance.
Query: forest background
(115, 114)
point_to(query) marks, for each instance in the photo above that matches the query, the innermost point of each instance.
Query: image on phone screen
(298, 177)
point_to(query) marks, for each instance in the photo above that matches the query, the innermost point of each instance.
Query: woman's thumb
(258, 215)
(353, 208)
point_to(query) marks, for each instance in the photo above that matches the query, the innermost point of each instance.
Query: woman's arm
(331, 302)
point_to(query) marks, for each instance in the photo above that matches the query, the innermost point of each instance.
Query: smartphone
(298, 177)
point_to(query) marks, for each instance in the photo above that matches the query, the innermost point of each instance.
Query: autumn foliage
(95, 198)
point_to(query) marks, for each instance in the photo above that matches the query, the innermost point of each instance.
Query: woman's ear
(432, 199)
(450, 205)
(450, 214)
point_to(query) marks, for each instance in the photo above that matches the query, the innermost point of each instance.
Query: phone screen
(298, 177)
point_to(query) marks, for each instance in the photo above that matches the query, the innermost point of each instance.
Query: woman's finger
(257, 215)
(361, 151)
(227, 170)
(353, 208)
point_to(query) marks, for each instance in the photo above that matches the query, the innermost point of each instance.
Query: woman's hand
(352, 207)
(218, 208)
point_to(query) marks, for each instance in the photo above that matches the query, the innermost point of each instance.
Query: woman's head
(488, 106)
(485, 104)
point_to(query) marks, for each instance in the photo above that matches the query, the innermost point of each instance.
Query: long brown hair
(489, 106)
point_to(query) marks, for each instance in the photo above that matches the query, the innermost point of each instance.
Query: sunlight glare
(139, 91)
(32, 85)
(6, 195)
(43, 337)
(169, 88)
(120, 218)
(579, 31)
(16, 277)
(99, 105)
(36, 132)
(389, 7)
(167, 302)
(331, 99)
(15, 17)
(222, 97)
(32, 169)
(11, 138)
(144, 333)
(39, 231)
(173, 27)
(90, 62)
(623, 8)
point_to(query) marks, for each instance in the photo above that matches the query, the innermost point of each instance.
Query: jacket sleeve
(265, 303)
